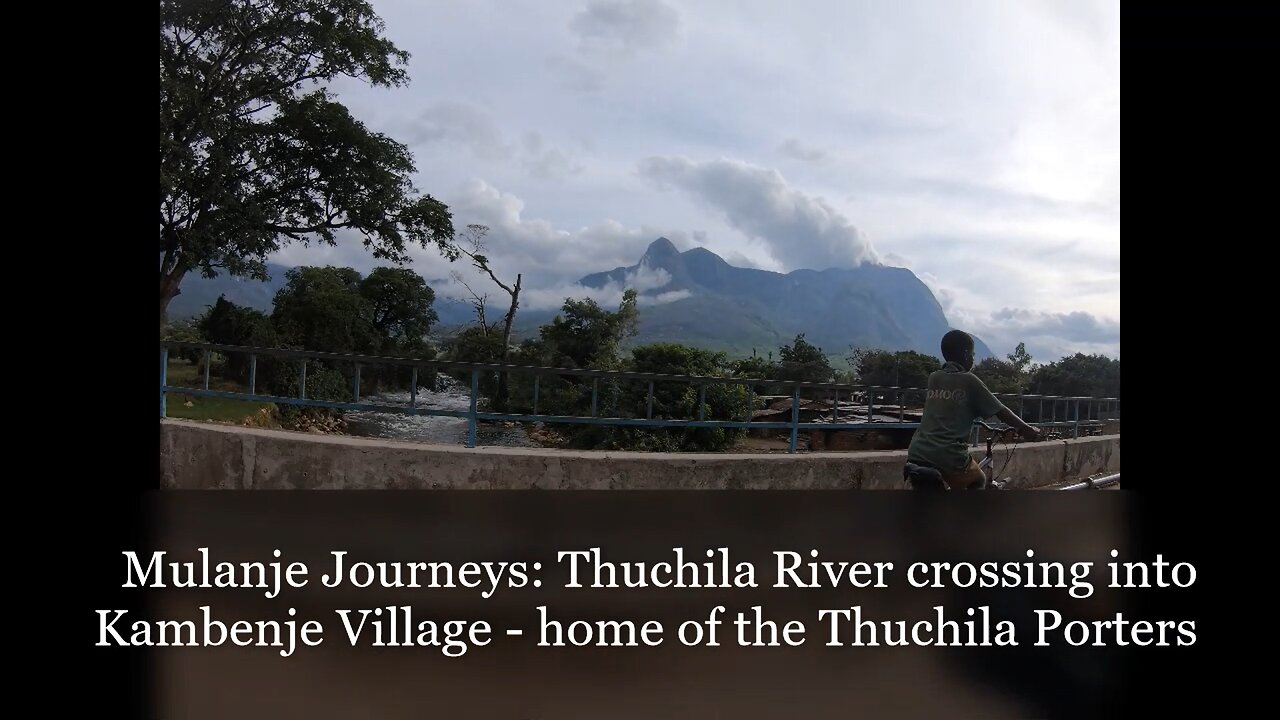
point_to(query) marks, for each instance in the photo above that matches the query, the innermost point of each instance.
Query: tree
(1020, 358)
(582, 335)
(322, 309)
(474, 249)
(401, 305)
(1078, 375)
(254, 152)
(803, 361)
(1006, 377)
(1001, 377)
(672, 400)
(881, 368)
(585, 335)
(754, 366)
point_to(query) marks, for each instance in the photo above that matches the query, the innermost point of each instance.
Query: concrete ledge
(206, 456)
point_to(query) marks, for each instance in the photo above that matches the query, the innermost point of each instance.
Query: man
(956, 398)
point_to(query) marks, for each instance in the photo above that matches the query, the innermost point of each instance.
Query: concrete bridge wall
(206, 456)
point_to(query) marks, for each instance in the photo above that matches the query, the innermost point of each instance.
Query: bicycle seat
(923, 477)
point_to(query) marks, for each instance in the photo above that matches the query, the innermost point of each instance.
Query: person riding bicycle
(956, 398)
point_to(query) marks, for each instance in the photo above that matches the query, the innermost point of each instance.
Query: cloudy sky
(977, 143)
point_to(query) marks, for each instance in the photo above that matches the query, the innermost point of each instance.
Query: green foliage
(328, 309)
(671, 400)
(1020, 358)
(323, 383)
(1001, 376)
(321, 308)
(401, 305)
(1078, 375)
(804, 362)
(186, 330)
(907, 368)
(753, 367)
(477, 344)
(255, 153)
(229, 324)
(585, 335)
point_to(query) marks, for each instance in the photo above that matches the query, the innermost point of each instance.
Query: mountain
(199, 293)
(725, 308)
(737, 309)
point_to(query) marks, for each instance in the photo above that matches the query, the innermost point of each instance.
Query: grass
(212, 409)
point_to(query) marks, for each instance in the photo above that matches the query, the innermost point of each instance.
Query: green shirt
(955, 400)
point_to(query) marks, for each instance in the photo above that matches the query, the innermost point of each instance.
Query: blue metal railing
(1096, 410)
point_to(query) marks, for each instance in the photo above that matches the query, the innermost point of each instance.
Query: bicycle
(924, 477)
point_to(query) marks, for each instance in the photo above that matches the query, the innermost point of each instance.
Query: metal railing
(1079, 414)
(1092, 483)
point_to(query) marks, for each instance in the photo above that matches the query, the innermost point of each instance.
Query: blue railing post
(471, 414)
(355, 390)
(751, 402)
(902, 408)
(1075, 431)
(536, 382)
(253, 374)
(594, 395)
(795, 417)
(835, 404)
(648, 413)
(413, 391)
(164, 380)
(702, 407)
(206, 369)
(871, 405)
(302, 382)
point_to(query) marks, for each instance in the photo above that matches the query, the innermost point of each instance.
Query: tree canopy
(256, 153)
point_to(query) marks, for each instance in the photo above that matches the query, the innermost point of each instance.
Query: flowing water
(451, 395)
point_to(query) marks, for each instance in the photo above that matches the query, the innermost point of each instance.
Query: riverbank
(213, 409)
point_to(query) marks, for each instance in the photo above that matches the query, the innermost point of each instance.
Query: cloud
(1048, 335)
(1074, 326)
(945, 297)
(576, 76)
(547, 255)
(800, 231)
(468, 126)
(461, 123)
(627, 25)
(976, 142)
(644, 280)
(795, 149)
(548, 163)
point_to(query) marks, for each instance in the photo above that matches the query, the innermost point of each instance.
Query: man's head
(957, 347)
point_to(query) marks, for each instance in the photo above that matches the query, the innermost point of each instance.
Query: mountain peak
(661, 247)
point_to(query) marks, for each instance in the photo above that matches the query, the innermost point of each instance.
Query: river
(452, 395)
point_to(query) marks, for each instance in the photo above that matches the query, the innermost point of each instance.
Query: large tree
(322, 308)
(401, 303)
(254, 151)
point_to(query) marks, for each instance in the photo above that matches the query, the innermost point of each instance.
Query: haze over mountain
(697, 298)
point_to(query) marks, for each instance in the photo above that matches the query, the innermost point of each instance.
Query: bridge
(1082, 452)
